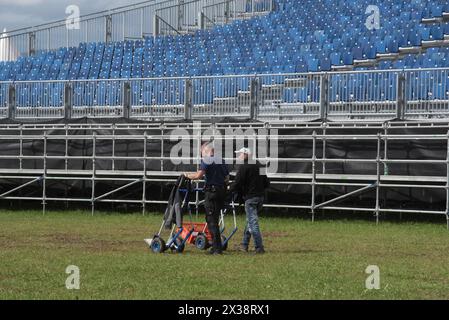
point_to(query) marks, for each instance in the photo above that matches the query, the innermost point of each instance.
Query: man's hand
(194, 176)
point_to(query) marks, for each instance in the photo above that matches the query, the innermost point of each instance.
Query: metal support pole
(123, 27)
(12, 102)
(44, 176)
(378, 163)
(188, 103)
(68, 93)
(254, 96)
(66, 160)
(180, 21)
(156, 26)
(385, 163)
(401, 96)
(447, 183)
(144, 176)
(113, 147)
(324, 155)
(142, 13)
(126, 100)
(108, 35)
(21, 148)
(227, 12)
(324, 146)
(31, 44)
(313, 175)
(324, 96)
(162, 147)
(94, 146)
(344, 196)
(386, 169)
(198, 160)
(201, 24)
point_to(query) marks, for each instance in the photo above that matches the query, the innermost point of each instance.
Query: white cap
(244, 151)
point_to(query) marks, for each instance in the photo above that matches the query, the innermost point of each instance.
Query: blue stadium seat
(298, 36)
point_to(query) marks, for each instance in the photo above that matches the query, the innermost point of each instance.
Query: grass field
(304, 260)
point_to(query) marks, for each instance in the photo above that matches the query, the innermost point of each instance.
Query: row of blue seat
(308, 36)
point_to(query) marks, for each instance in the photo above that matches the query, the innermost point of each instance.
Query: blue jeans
(252, 207)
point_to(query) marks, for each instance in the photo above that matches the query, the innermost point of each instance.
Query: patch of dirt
(95, 245)
(274, 234)
(68, 240)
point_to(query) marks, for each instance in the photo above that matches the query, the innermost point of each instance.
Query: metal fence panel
(365, 95)
(427, 93)
(97, 98)
(353, 94)
(221, 96)
(290, 95)
(158, 98)
(4, 97)
(39, 99)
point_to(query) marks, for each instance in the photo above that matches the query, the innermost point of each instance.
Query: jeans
(214, 203)
(252, 207)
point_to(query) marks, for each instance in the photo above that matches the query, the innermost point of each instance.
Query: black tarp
(405, 198)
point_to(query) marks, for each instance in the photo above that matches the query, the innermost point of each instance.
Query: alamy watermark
(373, 280)
(262, 142)
(72, 22)
(73, 280)
(373, 20)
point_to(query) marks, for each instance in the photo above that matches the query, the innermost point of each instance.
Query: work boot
(242, 248)
(260, 250)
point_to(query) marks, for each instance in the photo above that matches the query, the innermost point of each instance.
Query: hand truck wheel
(201, 242)
(158, 245)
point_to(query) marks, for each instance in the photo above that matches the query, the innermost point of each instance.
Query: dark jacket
(249, 183)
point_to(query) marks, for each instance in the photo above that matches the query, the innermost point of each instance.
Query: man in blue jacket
(216, 177)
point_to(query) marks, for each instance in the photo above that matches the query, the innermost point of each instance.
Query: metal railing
(190, 16)
(148, 18)
(181, 18)
(363, 95)
(119, 24)
(229, 10)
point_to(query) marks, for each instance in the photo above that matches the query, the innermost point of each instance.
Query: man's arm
(195, 176)
(236, 186)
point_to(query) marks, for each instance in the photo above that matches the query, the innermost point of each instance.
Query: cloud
(17, 14)
(20, 2)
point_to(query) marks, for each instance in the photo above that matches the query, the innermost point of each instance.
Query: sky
(17, 14)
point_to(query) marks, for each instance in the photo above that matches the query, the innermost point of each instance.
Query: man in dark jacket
(250, 184)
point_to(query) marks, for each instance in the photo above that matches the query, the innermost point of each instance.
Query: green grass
(304, 260)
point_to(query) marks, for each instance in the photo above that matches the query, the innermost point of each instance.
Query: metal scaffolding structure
(57, 163)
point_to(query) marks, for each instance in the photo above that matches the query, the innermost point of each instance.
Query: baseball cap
(244, 151)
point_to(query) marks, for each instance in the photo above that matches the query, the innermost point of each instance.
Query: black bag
(176, 206)
(266, 182)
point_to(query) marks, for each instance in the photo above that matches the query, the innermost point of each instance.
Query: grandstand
(324, 72)
(285, 47)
